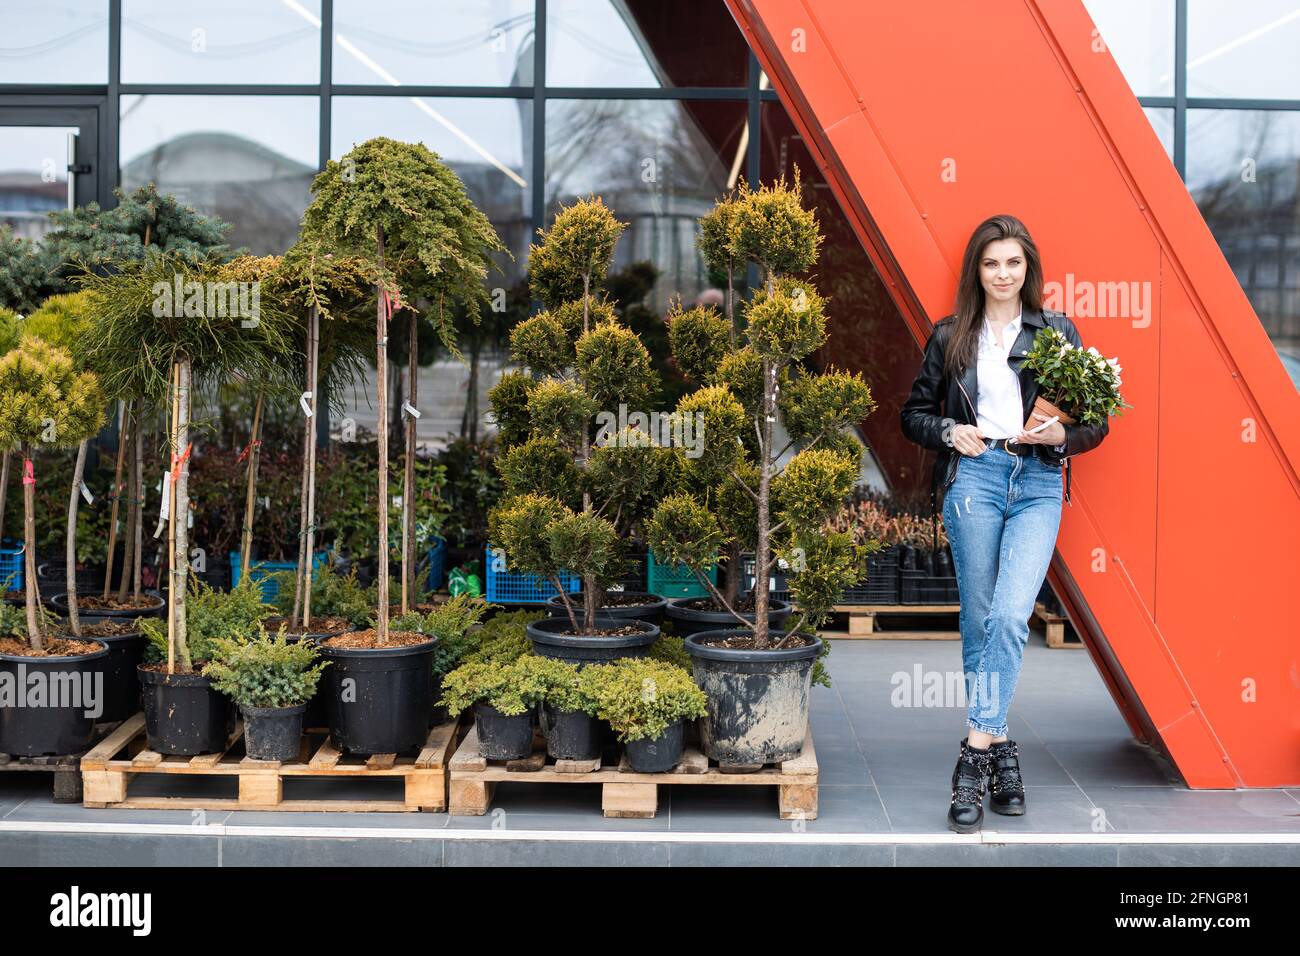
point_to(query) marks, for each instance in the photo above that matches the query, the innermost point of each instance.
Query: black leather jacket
(937, 401)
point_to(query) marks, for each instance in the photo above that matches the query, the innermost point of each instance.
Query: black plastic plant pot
(652, 611)
(184, 714)
(272, 733)
(502, 736)
(570, 734)
(656, 754)
(688, 621)
(158, 605)
(378, 698)
(549, 641)
(50, 705)
(121, 676)
(757, 699)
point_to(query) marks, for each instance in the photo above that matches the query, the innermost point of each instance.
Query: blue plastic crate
(676, 580)
(511, 587)
(11, 563)
(261, 572)
(437, 564)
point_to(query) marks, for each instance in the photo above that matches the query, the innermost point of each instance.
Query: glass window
(643, 43)
(1243, 49)
(248, 159)
(488, 142)
(33, 177)
(1241, 170)
(460, 43)
(220, 41)
(659, 165)
(1141, 38)
(1162, 121)
(54, 42)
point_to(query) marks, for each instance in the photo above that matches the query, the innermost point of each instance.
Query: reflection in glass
(1242, 170)
(1140, 36)
(659, 164)
(1243, 49)
(220, 41)
(643, 43)
(33, 177)
(248, 159)
(460, 43)
(53, 42)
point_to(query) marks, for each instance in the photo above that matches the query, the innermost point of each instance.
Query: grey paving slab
(1177, 810)
(1112, 762)
(376, 821)
(27, 848)
(309, 851)
(782, 854)
(583, 818)
(1234, 854)
(1007, 854)
(754, 810)
(1048, 810)
(553, 853)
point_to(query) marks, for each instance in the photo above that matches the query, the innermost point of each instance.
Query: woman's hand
(1053, 434)
(968, 440)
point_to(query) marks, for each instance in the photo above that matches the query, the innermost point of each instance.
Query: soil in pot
(50, 699)
(320, 627)
(149, 605)
(503, 736)
(183, 713)
(656, 754)
(610, 639)
(757, 699)
(696, 615)
(272, 733)
(570, 734)
(125, 654)
(378, 697)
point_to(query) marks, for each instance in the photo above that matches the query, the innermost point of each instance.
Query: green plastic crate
(676, 580)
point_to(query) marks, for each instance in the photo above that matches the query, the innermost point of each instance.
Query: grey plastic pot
(688, 621)
(548, 641)
(656, 754)
(272, 733)
(757, 699)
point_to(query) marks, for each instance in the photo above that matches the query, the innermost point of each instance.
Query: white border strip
(651, 836)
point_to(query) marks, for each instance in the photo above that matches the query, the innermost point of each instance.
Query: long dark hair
(968, 318)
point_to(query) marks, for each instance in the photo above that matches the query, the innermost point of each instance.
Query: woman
(972, 402)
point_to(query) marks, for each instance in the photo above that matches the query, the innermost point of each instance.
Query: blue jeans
(1001, 513)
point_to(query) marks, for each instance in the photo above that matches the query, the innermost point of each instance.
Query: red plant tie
(29, 475)
(247, 448)
(178, 460)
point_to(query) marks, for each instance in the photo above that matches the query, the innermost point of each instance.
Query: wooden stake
(171, 521)
(250, 496)
(381, 386)
(122, 421)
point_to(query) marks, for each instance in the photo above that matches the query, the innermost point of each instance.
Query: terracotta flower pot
(1043, 407)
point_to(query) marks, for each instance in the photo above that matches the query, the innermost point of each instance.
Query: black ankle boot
(969, 778)
(1006, 789)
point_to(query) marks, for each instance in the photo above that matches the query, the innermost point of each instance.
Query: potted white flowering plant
(1076, 385)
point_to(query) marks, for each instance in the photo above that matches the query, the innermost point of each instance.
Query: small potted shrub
(503, 704)
(339, 603)
(271, 679)
(566, 711)
(183, 712)
(646, 702)
(457, 624)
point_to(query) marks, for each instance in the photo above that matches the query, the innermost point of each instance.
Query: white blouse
(1000, 406)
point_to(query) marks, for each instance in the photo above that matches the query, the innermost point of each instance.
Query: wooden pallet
(107, 774)
(66, 769)
(624, 792)
(1057, 629)
(863, 627)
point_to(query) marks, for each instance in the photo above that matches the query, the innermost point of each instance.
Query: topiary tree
(567, 504)
(738, 492)
(44, 402)
(159, 326)
(397, 206)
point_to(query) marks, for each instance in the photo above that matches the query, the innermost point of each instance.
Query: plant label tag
(85, 493)
(411, 410)
(303, 399)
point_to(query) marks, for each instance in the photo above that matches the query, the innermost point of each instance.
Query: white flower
(1092, 350)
